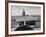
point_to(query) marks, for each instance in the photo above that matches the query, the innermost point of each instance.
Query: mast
(23, 12)
(24, 17)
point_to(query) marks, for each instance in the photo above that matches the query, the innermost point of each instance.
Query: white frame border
(23, 32)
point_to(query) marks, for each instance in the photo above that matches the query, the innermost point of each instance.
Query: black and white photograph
(25, 18)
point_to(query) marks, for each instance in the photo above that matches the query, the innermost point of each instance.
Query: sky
(29, 10)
